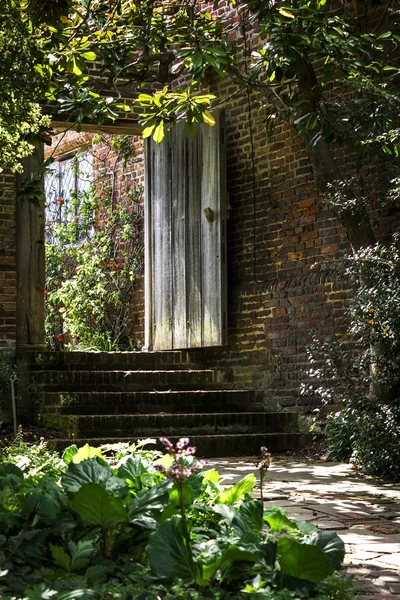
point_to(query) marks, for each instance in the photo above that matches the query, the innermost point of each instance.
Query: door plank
(193, 247)
(161, 255)
(178, 170)
(211, 224)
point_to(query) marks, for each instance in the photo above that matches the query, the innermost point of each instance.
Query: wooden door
(185, 214)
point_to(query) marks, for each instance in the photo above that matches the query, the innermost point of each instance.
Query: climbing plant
(94, 256)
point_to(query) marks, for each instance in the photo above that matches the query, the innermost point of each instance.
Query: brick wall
(282, 288)
(8, 293)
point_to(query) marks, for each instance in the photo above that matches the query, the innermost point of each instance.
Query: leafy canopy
(88, 56)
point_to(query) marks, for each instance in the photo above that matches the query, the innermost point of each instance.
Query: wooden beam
(118, 127)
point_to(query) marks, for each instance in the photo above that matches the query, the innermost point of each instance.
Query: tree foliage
(20, 83)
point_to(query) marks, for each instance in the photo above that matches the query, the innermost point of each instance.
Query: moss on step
(67, 423)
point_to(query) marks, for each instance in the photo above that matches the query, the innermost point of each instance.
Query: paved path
(365, 513)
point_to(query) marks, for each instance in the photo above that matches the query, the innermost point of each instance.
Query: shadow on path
(364, 511)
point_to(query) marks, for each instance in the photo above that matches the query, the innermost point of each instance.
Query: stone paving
(365, 512)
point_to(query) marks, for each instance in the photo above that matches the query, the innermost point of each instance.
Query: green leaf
(96, 507)
(303, 561)
(132, 469)
(237, 552)
(385, 36)
(60, 557)
(69, 453)
(190, 128)
(85, 452)
(168, 553)
(10, 475)
(331, 544)
(146, 508)
(286, 13)
(208, 118)
(197, 62)
(89, 55)
(145, 98)
(312, 122)
(212, 475)
(158, 135)
(147, 131)
(91, 471)
(79, 558)
(237, 491)
(277, 519)
(249, 519)
(81, 553)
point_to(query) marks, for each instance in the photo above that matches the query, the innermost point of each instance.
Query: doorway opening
(94, 236)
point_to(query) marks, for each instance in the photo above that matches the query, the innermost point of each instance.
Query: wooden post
(30, 262)
(148, 294)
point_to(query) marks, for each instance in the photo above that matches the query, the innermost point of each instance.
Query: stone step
(124, 381)
(176, 424)
(116, 361)
(193, 401)
(247, 444)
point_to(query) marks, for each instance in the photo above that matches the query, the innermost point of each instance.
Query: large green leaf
(208, 559)
(91, 471)
(146, 508)
(277, 519)
(132, 469)
(168, 553)
(330, 543)
(10, 476)
(69, 453)
(249, 518)
(303, 560)
(46, 501)
(237, 491)
(240, 552)
(78, 557)
(85, 452)
(96, 507)
(60, 557)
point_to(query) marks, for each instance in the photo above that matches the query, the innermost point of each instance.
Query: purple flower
(182, 443)
(165, 442)
(160, 468)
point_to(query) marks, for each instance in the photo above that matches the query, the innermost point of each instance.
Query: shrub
(360, 383)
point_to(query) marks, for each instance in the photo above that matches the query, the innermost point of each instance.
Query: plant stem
(179, 485)
(261, 487)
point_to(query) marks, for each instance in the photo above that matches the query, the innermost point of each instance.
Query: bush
(359, 382)
(132, 523)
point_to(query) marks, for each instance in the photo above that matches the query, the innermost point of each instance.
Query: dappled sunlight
(364, 511)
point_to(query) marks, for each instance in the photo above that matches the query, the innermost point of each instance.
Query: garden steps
(158, 425)
(247, 444)
(148, 402)
(100, 398)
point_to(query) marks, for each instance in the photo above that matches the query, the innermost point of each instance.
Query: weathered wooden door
(185, 212)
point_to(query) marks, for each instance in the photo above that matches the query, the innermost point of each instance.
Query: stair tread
(128, 371)
(173, 437)
(177, 413)
(157, 393)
